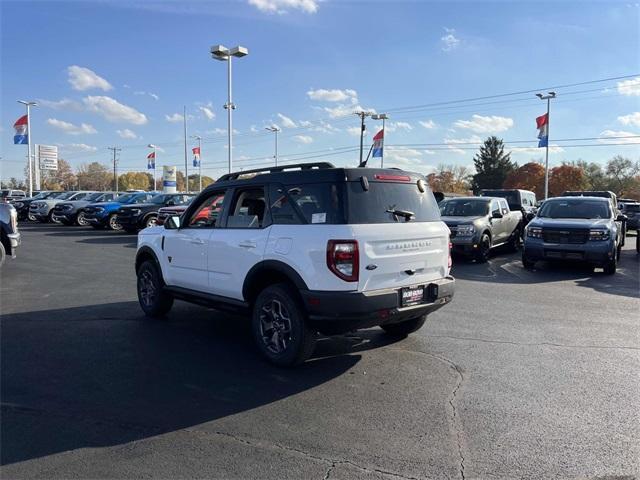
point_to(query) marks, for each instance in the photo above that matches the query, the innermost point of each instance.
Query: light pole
(383, 117)
(199, 138)
(36, 168)
(275, 130)
(224, 54)
(155, 159)
(362, 116)
(548, 98)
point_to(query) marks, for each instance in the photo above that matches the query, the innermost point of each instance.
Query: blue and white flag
(378, 138)
(21, 137)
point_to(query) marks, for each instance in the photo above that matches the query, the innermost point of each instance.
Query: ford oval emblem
(371, 266)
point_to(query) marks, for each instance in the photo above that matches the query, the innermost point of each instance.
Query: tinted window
(373, 205)
(92, 197)
(125, 197)
(464, 208)
(248, 209)
(513, 199)
(504, 207)
(208, 212)
(282, 210)
(632, 208)
(319, 202)
(575, 209)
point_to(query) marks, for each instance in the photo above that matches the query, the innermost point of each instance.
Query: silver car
(42, 210)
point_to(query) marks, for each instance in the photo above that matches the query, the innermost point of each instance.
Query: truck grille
(568, 236)
(454, 232)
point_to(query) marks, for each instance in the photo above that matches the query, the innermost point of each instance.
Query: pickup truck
(479, 224)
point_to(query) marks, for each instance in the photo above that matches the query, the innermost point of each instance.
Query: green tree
(94, 176)
(621, 172)
(492, 165)
(595, 178)
(194, 182)
(135, 181)
(61, 179)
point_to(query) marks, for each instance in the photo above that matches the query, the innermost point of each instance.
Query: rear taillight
(449, 263)
(343, 259)
(392, 178)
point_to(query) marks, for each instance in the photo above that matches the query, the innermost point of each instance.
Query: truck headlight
(599, 235)
(534, 232)
(465, 230)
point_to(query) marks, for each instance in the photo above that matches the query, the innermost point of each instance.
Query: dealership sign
(47, 157)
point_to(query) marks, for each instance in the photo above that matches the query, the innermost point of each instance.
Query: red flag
(196, 150)
(152, 155)
(21, 121)
(542, 120)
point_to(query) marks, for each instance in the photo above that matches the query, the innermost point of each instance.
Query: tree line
(495, 169)
(96, 176)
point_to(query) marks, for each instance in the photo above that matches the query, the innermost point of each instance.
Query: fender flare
(145, 251)
(278, 266)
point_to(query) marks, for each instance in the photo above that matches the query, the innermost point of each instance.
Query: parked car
(632, 212)
(104, 214)
(143, 215)
(72, 212)
(479, 224)
(581, 229)
(166, 212)
(8, 195)
(304, 248)
(522, 200)
(9, 234)
(42, 210)
(22, 206)
(622, 220)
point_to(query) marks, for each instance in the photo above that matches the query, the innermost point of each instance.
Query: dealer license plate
(412, 295)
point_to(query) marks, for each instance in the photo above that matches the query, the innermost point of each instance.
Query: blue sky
(117, 73)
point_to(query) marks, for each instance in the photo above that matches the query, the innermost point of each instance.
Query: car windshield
(634, 207)
(513, 199)
(161, 199)
(464, 208)
(575, 209)
(93, 196)
(4, 193)
(42, 195)
(66, 195)
(125, 198)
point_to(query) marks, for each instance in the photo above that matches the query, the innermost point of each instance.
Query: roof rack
(301, 166)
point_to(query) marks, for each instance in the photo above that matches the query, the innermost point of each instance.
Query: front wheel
(52, 219)
(81, 219)
(612, 265)
(280, 327)
(31, 217)
(151, 221)
(113, 222)
(403, 329)
(153, 299)
(526, 263)
(484, 247)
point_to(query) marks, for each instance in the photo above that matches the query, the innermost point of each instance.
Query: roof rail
(301, 166)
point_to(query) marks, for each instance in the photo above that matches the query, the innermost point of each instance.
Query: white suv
(305, 249)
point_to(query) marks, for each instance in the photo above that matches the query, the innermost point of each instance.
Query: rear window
(513, 198)
(375, 204)
(632, 208)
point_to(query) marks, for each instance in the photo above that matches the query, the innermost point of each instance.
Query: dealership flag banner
(21, 137)
(151, 161)
(196, 156)
(377, 143)
(542, 124)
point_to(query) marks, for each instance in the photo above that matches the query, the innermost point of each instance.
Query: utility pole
(548, 98)
(362, 116)
(115, 150)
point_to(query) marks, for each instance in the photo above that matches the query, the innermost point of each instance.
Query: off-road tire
(293, 340)
(484, 248)
(154, 300)
(403, 329)
(612, 265)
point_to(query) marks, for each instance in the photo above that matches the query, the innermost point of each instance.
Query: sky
(119, 73)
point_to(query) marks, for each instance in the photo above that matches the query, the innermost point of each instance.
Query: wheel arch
(146, 253)
(269, 272)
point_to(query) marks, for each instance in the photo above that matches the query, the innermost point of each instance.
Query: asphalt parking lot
(527, 374)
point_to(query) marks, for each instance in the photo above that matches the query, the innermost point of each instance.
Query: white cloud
(629, 87)
(631, 119)
(220, 131)
(334, 95)
(354, 131)
(78, 147)
(449, 41)
(283, 6)
(70, 128)
(152, 95)
(402, 126)
(428, 124)
(63, 104)
(287, 122)
(114, 111)
(471, 142)
(305, 123)
(402, 156)
(174, 118)
(208, 112)
(254, 129)
(126, 133)
(82, 78)
(303, 138)
(345, 110)
(321, 126)
(606, 137)
(490, 124)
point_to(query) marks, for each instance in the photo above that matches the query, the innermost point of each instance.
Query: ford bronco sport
(305, 249)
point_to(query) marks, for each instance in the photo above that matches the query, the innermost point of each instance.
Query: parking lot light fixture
(224, 54)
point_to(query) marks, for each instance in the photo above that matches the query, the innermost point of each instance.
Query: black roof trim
(282, 168)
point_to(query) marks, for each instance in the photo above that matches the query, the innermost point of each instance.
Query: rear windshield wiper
(401, 213)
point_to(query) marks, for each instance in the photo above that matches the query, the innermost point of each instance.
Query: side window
(504, 207)
(282, 211)
(206, 215)
(494, 206)
(248, 209)
(141, 199)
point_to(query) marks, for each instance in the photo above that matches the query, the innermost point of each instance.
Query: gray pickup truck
(479, 224)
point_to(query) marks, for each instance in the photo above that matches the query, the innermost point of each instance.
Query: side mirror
(621, 218)
(172, 223)
(496, 214)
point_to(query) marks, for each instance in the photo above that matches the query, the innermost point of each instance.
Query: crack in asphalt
(541, 344)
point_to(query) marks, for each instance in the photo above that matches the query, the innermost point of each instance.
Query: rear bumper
(339, 312)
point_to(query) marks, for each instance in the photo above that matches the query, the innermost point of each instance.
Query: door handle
(197, 241)
(248, 244)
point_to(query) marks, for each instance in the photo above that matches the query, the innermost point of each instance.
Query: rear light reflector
(392, 178)
(343, 259)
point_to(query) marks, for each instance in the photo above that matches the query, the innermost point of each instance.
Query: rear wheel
(484, 247)
(516, 241)
(280, 327)
(113, 222)
(403, 329)
(153, 299)
(81, 219)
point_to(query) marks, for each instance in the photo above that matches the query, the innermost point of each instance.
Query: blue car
(105, 214)
(582, 229)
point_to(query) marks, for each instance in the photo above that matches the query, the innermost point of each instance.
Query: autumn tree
(566, 177)
(135, 181)
(529, 176)
(621, 172)
(15, 184)
(449, 178)
(94, 176)
(492, 165)
(61, 179)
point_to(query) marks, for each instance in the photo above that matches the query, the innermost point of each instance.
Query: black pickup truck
(479, 224)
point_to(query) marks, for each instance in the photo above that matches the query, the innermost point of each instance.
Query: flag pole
(546, 161)
(200, 161)
(155, 159)
(186, 167)
(383, 135)
(31, 172)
